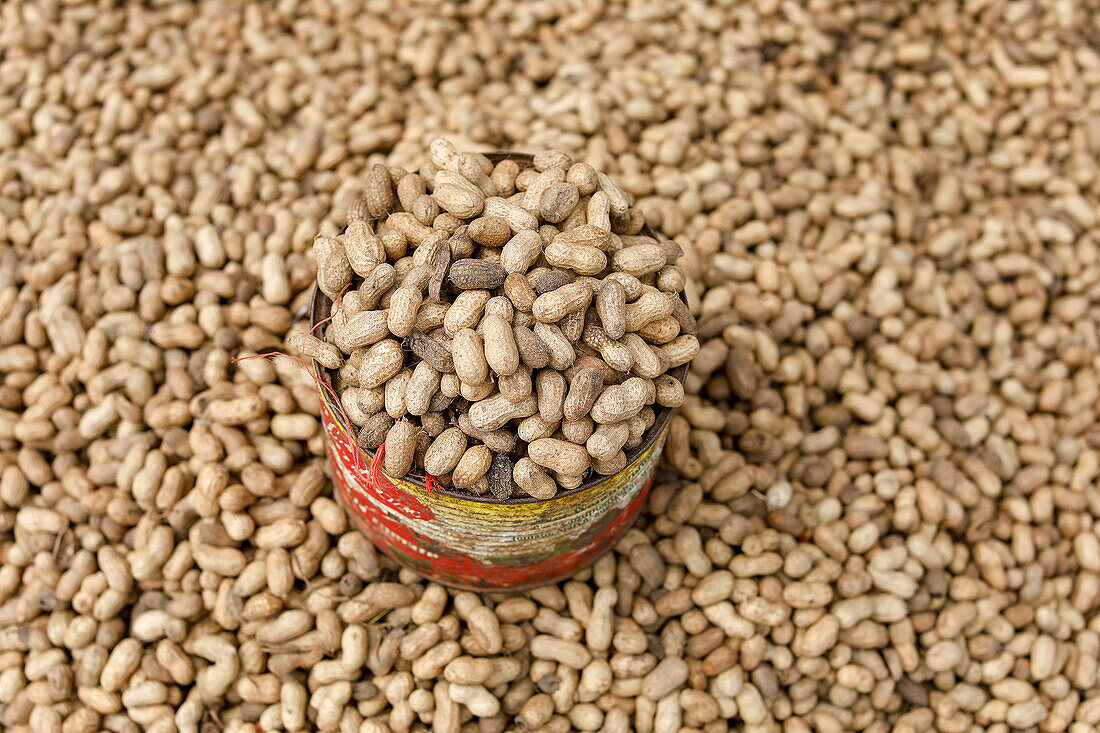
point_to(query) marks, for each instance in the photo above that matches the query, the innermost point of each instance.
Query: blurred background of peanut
(889, 214)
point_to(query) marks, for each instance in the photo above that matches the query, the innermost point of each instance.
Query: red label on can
(478, 544)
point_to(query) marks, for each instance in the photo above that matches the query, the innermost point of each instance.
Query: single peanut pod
(578, 217)
(517, 385)
(585, 236)
(519, 291)
(395, 394)
(470, 167)
(532, 197)
(598, 211)
(562, 354)
(558, 201)
(584, 390)
(374, 431)
(460, 201)
(500, 477)
(632, 286)
(362, 401)
(617, 355)
(489, 231)
(476, 392)
(333, 269)
(445, 452)
(400, 447)
(499, 306)
(572, 326)
(550, 388)
(443, 154)
(646, 361)
(461, 244)
(616, 198)
(382, 361)
(636, 429)
(607, 440)
(498, 441)
(584, 177)
(494, 412)
(639, 260)
(311, 347)
(363, 248)
(407, 224)
(651, 306)
(660, 331)
(521, 251)
(560, 456)
(360, 330)
(610, 467)
(465, 311)
(432, 351)
(670, 392)
(425, 253)
(518, 219)
(504, 177)
(377, 282)
(473, 465)
(445, 177)
(421, 388)
(568, 482)
(578, 431)
(395, 243)
(611, 308)
(535, 427)
(378, 192)
(409, 188)
(681, 350)
(468, 354)
(404, 305)
(551, 280)
(450, 384)
(535, 481)
(620, 401)
(580, 259)
(430, 316)
(501, 352)
(552, 306)
(532, 350)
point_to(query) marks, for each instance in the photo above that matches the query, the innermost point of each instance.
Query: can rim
(320, 307)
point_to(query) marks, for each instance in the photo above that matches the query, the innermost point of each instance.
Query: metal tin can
(480, 542)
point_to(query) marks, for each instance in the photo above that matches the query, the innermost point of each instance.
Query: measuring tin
(480, 542)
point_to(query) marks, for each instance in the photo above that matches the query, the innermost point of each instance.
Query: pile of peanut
(539, 324)
(878, 507)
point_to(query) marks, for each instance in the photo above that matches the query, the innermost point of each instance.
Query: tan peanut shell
(465, 311)
(501, 351)
(550, 388)
(468, 355)
(552, 306)
(620, 402)
(494, 412)
(421, 388)
(559, 347)
(585, 388)
(559, 456)
(400, 448)
(533, 479)
(472, 466)
(445, 452)
(404, 305)
(382, 361)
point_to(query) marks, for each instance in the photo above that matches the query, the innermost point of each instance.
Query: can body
(485, 545)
